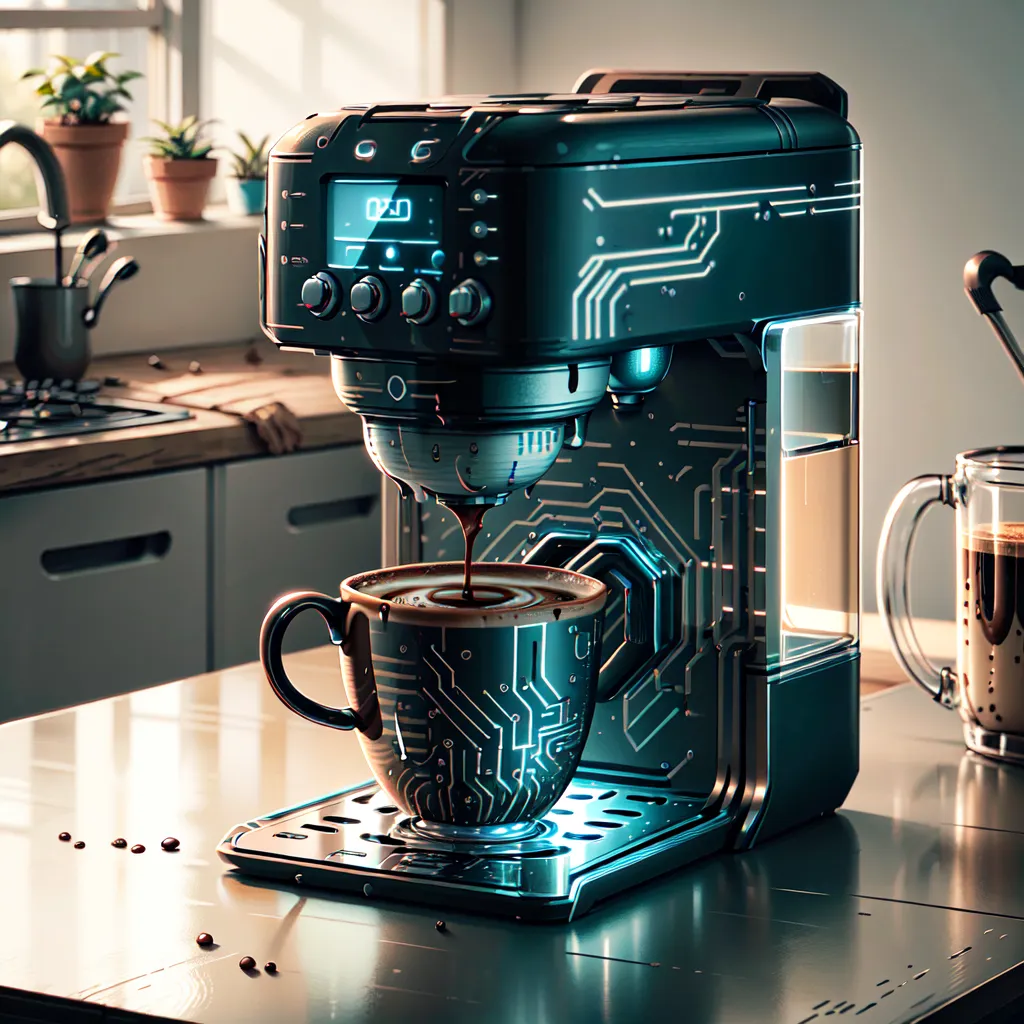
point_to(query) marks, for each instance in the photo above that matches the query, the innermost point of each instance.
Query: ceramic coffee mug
(472, 717)
(986, 686)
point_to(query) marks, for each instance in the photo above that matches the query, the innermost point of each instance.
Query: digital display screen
(382, 224)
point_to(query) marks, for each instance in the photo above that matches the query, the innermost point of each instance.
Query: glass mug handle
(893, 583)
(333, 611)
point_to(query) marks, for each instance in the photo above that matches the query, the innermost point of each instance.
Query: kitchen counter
(907, 905)
(227, 388)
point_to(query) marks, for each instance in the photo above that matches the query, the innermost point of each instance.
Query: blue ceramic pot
(247, 196)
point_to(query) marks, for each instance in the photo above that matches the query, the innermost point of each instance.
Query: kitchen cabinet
(105, 589)
(299, 522)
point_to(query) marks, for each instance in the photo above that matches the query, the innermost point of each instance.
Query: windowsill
(134, 226)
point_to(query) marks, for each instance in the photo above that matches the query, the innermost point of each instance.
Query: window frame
(172, 72)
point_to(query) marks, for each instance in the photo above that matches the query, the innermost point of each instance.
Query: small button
(437, 259)
(418, 303)
(478, 197)
(365, 149)
(363, 297)
(469, 303)
(320, 295)
(480, 259)
(461, 302)
(368, 298)
(479, 229)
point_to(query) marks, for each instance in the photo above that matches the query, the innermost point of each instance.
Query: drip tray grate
(359, 842)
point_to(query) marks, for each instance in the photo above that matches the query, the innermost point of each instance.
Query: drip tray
(598, 839)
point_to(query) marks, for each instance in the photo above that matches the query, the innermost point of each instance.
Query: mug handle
(333, 611)
(893, 584)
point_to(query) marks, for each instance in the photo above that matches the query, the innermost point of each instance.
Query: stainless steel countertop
(865, 914)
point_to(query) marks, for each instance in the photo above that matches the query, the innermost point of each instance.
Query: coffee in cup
(471, 712)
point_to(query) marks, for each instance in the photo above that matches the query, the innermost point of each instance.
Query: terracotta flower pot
(179, 187)
(90, 156)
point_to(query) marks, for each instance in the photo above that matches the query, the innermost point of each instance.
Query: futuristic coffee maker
(629, 316)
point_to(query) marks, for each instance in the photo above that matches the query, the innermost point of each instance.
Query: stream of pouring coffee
(471, 519)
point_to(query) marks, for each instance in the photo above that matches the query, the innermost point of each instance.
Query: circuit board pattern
(478, 726)
(687, 226)
(667, 481)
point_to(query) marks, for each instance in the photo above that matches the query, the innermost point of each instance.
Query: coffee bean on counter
(64, 837)
(252, 356)
(247, 963)
(204, 939)
(120, 843)
(270, 967)
(80, 845)
(441, 926)
(195, 366)
(138, 848)
(112, 382)
(156, 362)
(170, 844)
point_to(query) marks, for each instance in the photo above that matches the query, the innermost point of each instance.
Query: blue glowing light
(390, 252)
(437, 259)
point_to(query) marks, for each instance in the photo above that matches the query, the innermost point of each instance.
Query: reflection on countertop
(847, 912)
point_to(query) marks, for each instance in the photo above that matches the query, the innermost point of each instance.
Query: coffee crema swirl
(506, 596)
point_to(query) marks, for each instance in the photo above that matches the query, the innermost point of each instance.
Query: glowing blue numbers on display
(383, 224)
(388, 208)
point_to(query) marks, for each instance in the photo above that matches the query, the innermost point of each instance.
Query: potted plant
(180, 169)
(83, 97)
(247, 185)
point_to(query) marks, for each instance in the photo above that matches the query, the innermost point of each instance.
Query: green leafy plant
(83, 91)
(251, 165)
(181, 141)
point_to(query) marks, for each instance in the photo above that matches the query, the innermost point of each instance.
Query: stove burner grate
(32, 410)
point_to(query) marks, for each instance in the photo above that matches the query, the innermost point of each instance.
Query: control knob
(419, 304)
(321, 295)
(369, 298)
(469, 303)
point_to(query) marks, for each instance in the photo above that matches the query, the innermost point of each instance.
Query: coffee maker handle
(333, 611)
(893, 583)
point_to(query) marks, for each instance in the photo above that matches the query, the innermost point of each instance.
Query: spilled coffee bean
(441, 926)
(138, 848)
(204, 939)
(247, 963)
(120, 843)
(64, 837)
(170, 844)
(270, 967)
(79, 845)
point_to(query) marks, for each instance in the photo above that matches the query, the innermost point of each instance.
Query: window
(148, 38)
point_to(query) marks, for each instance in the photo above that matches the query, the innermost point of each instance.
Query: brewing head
(467, 435)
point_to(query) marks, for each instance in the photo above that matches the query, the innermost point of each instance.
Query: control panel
(376, 251)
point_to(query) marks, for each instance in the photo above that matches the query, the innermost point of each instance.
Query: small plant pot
(90, 156)
(247, 196)
(179, 188)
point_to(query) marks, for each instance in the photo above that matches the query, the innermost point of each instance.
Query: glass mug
(987, 685)
(472, 719)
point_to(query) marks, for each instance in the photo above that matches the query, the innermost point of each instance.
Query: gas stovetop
(32, 410)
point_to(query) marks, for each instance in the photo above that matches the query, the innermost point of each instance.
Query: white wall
(266, 64)
(936, 94)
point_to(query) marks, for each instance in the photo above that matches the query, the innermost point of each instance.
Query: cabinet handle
(105, 554)
(303, 516)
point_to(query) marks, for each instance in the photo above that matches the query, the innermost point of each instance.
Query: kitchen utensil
(471, 716)
(91, 248)
(120, 270)
(49, 183)
(981, 272)
(51, 336)
(90, 266)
